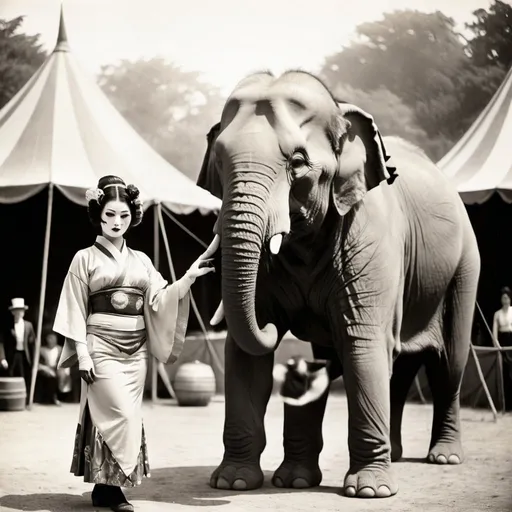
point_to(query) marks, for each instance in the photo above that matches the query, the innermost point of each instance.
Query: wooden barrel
(13, 394)
(194, 384)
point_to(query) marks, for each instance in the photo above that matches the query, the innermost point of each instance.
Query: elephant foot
(446, 453)
(294, 475)
(370, 483)
(237, 476)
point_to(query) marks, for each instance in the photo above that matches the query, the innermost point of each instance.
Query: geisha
(114, 309)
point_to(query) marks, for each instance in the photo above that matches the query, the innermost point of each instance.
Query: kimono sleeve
(71, 316)
(165, 316)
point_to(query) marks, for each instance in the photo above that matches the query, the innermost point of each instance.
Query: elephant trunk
(244, 224)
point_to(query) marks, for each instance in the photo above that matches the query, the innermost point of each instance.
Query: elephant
(354, 242)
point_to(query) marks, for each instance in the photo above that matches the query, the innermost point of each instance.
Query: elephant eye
(298, 161)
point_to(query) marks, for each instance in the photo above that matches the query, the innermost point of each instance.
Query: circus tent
(480, 164)
(60, 131)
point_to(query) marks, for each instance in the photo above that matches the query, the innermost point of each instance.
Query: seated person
(52, 380)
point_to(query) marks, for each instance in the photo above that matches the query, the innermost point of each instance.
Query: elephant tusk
(212, 248)
(275, 243)
(218, 315)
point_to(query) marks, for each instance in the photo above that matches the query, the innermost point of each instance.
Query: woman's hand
(88, 375)
(204, 264)
(85, 364)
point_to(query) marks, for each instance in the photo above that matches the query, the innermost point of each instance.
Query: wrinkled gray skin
(380, 277)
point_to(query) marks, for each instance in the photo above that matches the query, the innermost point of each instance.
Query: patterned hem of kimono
(93, 460)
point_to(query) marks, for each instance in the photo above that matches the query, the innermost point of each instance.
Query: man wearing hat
(19, 343)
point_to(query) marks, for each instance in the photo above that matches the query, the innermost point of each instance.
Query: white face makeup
(115, 219)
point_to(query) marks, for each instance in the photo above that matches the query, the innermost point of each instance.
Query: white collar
(119, 255)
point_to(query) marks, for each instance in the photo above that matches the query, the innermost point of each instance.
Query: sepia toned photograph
(255, 255)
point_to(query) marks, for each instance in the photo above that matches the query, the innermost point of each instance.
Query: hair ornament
(94, 194)
(120, 185)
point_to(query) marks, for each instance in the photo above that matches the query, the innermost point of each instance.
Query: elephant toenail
(366, 492)
(278, 482)
(300, 483)
(240, 485)
(441, 459)
(383, 491)
(453, 459)
(350, 491)
(222, 483)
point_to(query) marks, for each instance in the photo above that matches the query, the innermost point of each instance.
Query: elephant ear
(358, 173)
(209, 178)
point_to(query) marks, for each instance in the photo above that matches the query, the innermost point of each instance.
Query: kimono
(121, 306)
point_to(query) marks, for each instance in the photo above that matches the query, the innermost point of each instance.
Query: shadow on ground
(179, 485)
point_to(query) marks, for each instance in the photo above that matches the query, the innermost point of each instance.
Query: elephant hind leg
(445, 368)
(405, 368)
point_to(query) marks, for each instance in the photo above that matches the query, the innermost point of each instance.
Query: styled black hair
(506, 291)
(113, 188)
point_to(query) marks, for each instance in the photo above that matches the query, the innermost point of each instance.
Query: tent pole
(156, 258)
(42, 295)
(501, 381)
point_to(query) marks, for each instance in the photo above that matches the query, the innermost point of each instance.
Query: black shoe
(119, 502)
(101, 496)
(122, 507)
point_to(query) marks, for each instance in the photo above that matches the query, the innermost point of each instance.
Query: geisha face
(115, 219)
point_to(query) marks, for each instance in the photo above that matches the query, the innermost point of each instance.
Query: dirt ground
(185, 444)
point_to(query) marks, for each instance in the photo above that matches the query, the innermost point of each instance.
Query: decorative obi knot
(120, 301)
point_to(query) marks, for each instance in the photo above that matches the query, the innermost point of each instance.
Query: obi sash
(119, 300)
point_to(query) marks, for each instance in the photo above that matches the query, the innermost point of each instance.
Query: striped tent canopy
(61, 129)
(480, 164)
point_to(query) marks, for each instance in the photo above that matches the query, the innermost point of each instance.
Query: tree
(20, 57)
(492, 35)
(420, 58)
(391, 114)
(171, 109)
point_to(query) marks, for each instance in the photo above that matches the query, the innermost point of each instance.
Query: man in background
(18, 344)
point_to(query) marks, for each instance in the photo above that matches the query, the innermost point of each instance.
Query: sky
(222, 39)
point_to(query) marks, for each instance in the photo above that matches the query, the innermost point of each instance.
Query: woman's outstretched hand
(204, 264)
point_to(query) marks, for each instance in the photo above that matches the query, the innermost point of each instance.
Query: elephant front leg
(248, 385)
(302, 442)
(367, 384)
(302, 433)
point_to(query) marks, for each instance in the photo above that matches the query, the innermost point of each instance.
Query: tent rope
(209, 344)
(184, 228)
(501, 383)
